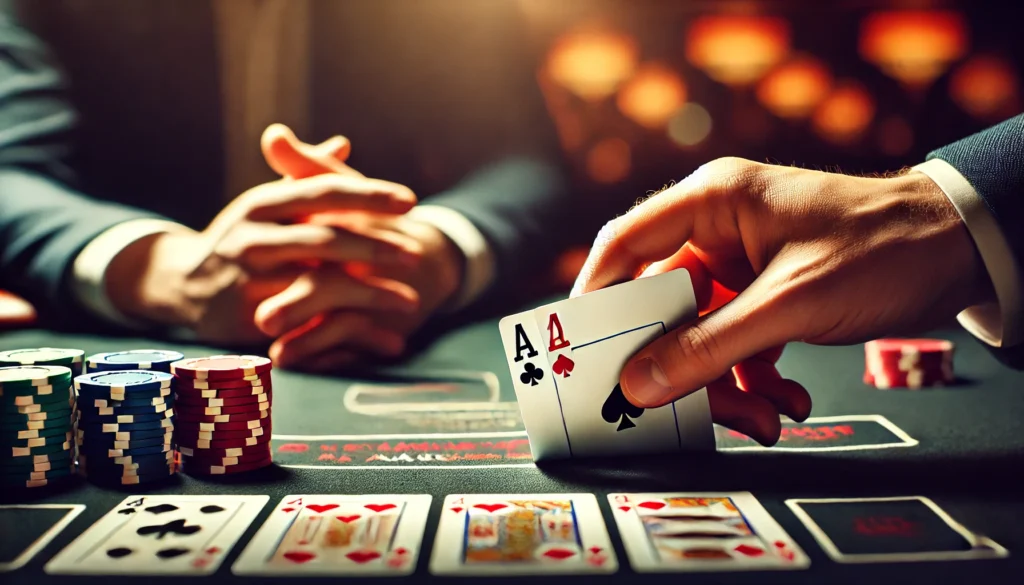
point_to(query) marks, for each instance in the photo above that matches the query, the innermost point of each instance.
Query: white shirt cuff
(90, 267)
(997, 324)
(479, 267)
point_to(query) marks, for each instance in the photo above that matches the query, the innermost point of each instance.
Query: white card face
(587, 340)
(160, 535)
(535, 389)
(338, 535)
(522, 534)
(714, 531)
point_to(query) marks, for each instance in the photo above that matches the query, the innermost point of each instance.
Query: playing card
(824, 433)
(726, 531)
(883, 530)
(160, 535)
(338, 535)
(523, 534)
(28, 528)
(566, 363)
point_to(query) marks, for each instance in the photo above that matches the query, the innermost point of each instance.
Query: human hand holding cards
(566, 357)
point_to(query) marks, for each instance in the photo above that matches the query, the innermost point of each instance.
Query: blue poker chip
(99, 428)
(92, 446)
(143, 402)
(115, 453)
(136, 359)
(92, 418)
(124, 436)
(145, 464)
(92, 411)
(123, 385)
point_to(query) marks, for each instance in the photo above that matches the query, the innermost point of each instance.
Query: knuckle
(696, 348)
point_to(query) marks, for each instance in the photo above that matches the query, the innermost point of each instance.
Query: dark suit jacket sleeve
(993, 162)
(44, 223)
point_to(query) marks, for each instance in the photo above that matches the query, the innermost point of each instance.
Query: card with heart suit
(681, 532)
(566, 358)
(338, 535)
(28, 528)
(521, 534)
(888, 530)
(160, 535)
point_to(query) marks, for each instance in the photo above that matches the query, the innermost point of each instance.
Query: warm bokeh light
(986, 87)
(652, 95)
(609, 161)
(844, 115)
(592, 63)
(895, 136)
(690, 125)
(569, 264)
(913, 46)
(795, 88)
(737, 50)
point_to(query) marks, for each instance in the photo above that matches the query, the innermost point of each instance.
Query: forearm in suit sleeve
(44, 223)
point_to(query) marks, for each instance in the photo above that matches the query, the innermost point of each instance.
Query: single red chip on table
(908, 363)
(222, 367)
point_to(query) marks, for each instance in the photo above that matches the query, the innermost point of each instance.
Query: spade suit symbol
(617, 409)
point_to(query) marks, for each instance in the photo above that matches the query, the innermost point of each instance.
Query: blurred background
(628, 95)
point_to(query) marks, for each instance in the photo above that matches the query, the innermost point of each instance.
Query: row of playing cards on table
(481, 534)
(566, 357)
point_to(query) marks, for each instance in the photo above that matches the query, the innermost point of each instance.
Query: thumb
(291, 157)
(692, 356)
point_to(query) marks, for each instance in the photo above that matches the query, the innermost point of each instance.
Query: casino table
(445, 422)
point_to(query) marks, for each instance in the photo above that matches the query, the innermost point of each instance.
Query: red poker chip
(222, 435)
(222, 367)
(188, 452)
(201, 444)
(190, 427)
(258, 455)
(182, 400)
(232, 393)
(187, 412)
(222, 418)
(194, 469)
(240, 383)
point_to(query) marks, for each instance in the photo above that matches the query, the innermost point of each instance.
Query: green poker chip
(21, 377)
(34, 476)
(67, 435)
(39, 419)
(14, 451)
(8, 436)
(45, 356)
(39, 463)
(11, 402)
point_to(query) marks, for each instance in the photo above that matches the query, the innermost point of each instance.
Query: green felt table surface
(968, 460)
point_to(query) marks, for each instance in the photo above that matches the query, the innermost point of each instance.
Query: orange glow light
(651, 96)
(609, 161)
(844, 114)
(569, 264)
(985, 87)
(795, 88)
(592, 63)
(737, 50)
(913, 46)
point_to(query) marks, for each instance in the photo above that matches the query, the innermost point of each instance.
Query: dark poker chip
(220, 453)
(27, 464)
(225, 418)
(129, 461)
(25, 434)
(18, 379)
(120, 411)
(135, 359)
(125, 435)
(6, 442)
(192, 468)
(222, 402)
(248, 382)
(122, 385)
(35, 478)
(88, 445)
(129, 479)
(92, 467)
(187, 427)
(19, 418)
(125, 427)
(167, 400)
(130, 419)
(248, 457)
(115, 453)
(222, 435)
(10, 451)
(49, 400)
(196, 395)
(45, 474)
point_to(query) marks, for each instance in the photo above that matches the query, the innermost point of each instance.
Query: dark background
(430, 89)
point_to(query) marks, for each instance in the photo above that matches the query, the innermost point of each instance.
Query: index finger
(298, 199)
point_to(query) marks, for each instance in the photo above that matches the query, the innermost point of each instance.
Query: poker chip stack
(125, 427)
(908, 363)
(36, 405)
(44, 356)
(158, 360)
(223, 413)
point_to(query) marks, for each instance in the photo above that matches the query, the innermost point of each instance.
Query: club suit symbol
(617, 409)
(531, 374)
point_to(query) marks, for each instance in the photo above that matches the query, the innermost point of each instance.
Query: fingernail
(645, 382)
